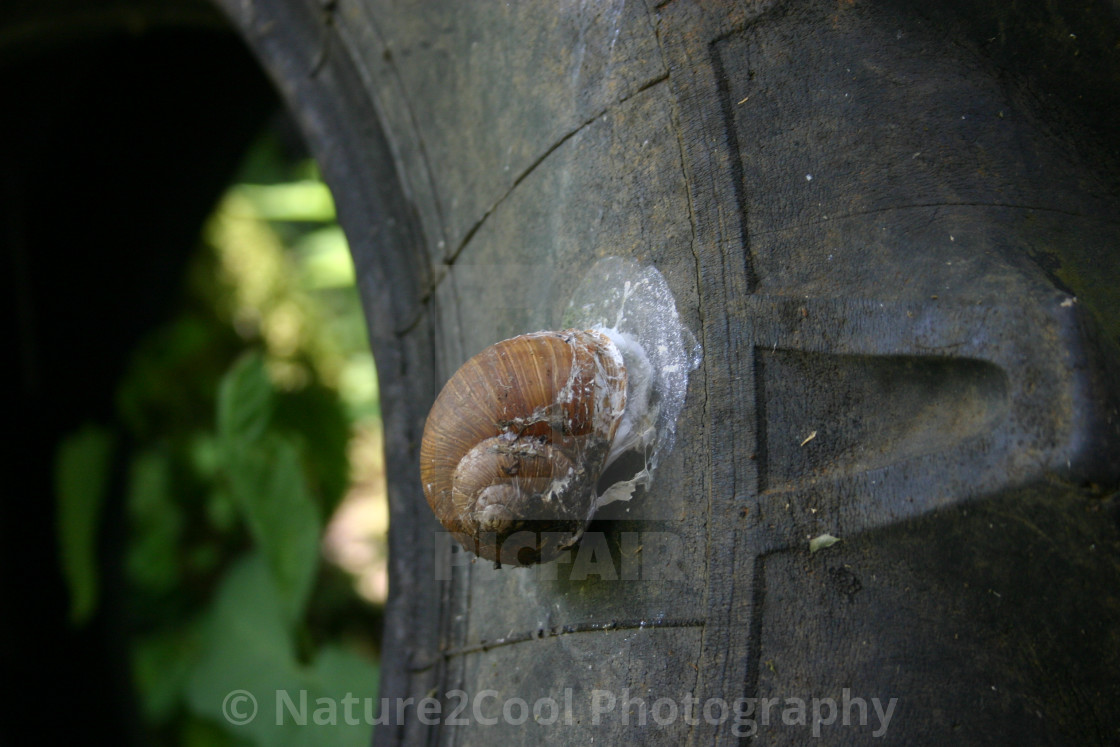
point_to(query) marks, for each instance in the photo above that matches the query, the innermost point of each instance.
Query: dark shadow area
(113, 153)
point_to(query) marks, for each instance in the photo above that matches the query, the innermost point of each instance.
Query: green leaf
(249, 669)
(244, 402)
(247, 649)
(204, 452)
(81, 476)
(315, 417)
(197, 732)
(270, 489)
(161, 664)
(350, 683)
(155, 523)
(220, 509)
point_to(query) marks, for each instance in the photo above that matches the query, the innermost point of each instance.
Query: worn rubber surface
(894, 231)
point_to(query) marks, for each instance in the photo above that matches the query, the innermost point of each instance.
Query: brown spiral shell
(517, 439)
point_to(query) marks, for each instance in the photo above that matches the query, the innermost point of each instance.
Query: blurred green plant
(234, 423)
(81, 480)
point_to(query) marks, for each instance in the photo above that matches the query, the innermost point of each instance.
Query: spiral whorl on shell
(517, 439)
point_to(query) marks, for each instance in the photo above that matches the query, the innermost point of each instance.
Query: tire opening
(115, 151)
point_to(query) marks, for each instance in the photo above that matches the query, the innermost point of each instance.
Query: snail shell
(517, 439)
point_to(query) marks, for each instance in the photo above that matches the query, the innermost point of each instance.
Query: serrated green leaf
(270, 489)
(244, 402)
(249, 669)
(81, 475)
(247, 650)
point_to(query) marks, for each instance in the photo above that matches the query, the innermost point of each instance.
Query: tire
(891, 228)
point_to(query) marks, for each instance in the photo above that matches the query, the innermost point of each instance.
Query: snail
(517, 440)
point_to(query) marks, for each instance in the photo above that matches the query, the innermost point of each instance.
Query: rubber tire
(891, 228)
